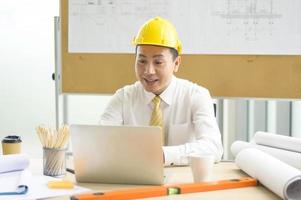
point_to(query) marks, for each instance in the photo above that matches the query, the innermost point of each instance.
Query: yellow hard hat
(158, 31)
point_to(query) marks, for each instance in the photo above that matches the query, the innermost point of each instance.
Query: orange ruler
(174, 189)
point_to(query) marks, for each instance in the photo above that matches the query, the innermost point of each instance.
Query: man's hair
(173, 52)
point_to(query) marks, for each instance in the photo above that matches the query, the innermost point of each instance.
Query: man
(184, 110)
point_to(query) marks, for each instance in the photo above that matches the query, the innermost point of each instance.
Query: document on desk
(14, 182)
(37, 187)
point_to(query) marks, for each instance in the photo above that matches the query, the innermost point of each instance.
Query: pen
(168, 190)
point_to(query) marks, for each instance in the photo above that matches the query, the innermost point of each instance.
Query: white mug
(201, 167)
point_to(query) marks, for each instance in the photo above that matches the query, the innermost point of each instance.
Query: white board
(204, 26)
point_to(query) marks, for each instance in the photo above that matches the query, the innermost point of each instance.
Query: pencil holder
(54, 161)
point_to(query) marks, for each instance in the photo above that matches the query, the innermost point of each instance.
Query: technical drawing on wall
(204, 26)
(249, 17)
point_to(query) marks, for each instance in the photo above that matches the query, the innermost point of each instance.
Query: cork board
(262, 76)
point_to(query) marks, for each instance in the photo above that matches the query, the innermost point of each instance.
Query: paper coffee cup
(201, 167)
(11, 145)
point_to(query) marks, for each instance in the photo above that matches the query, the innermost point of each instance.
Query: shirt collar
(166, 95)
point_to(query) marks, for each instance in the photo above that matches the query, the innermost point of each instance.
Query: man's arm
(207, 134)
(113, 114)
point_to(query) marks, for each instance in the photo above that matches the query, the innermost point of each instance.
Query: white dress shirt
(188, 115)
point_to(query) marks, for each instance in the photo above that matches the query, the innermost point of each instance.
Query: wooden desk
(223, 170)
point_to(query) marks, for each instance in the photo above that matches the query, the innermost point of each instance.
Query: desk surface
(222, 170)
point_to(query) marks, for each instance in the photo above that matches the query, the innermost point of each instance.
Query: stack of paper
(17, 182)
(38, 189)
(13, 174)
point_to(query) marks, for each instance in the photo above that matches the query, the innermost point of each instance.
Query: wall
(26, 65)
(27, 91)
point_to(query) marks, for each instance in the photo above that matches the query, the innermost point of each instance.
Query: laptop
(117, 154)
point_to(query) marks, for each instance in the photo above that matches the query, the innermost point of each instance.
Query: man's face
(154, 67)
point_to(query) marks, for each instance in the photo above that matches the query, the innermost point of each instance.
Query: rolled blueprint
(13, 162)
(274, 174)
(289, 157)
(278, 141)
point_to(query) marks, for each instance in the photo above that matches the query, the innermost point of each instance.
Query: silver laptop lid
(117, 154)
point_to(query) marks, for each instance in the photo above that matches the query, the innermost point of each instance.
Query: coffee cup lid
(12, 139)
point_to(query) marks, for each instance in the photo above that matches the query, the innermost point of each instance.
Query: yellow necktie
(157, 117)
